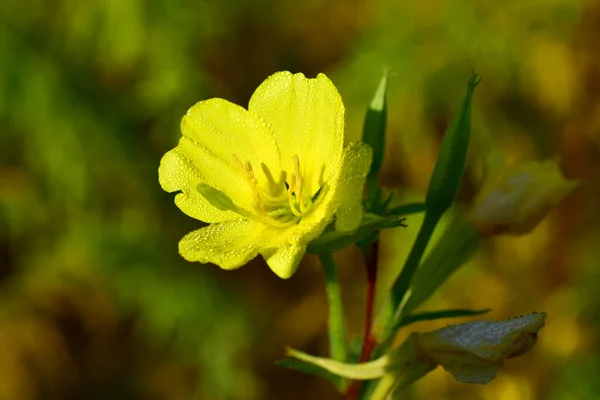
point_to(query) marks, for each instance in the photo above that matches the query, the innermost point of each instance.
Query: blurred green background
(95, 302)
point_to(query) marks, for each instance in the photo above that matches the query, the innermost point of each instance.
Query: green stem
(392, 308)
(456, 246)
(337, 323)
(384, 387)
(402, 283)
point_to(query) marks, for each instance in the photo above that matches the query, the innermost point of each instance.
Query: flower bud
(515, 199)
(474, 351)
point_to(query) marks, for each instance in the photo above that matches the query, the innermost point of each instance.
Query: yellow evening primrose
(268, 179)
(514, 199)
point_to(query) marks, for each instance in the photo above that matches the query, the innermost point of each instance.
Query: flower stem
(371, 260)
(402, 283)
(337, 323)
(384, 387)
(371, 254)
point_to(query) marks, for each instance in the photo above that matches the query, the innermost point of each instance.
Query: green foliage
(334, 241)
(457, 244)
(443, 186)
(450, 164)
(432, 315)
(406, 209)
(309, 368)
(90, 95)
(374, 131)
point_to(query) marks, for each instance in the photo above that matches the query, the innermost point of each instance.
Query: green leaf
(404, 280)
(333, 241)
(450, 163)
(374, 135)
(455, 247)
(310, 369)
(406, 209)
(443, 187)
(431, 315)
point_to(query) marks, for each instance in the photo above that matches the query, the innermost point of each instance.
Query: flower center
(280, 202)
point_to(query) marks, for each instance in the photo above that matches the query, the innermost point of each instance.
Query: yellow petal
(356, 161)
(285, 258)
(343, 199)
(220, 142)
(307, 117)
(228, 244)
(177, 173)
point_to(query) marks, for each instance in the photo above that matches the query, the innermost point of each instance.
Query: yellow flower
(515, 199)
(269, 179)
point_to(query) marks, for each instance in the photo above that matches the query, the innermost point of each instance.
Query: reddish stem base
(369, 342)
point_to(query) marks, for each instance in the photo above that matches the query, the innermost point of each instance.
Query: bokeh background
(95, 302)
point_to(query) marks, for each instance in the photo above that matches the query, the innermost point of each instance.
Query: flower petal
(178, 173)
(229, 244)
(307, 117)
(344, 197)
(219, 138)
(284, 259)
(232, 244)
(355, 164)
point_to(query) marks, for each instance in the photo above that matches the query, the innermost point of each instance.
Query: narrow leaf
(403, 281)
(374, 135)
(310, 369)
(431, 315)
(375, 124)
(455, 247)
(450, 163)
(407, 209)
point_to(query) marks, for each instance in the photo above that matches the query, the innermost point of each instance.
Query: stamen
(295, 191)
(275, 193)
(291, 198)
(269, 200)
(305, 206)
(274, 186)
(257, 204)
(298, 189)
(295, 211)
